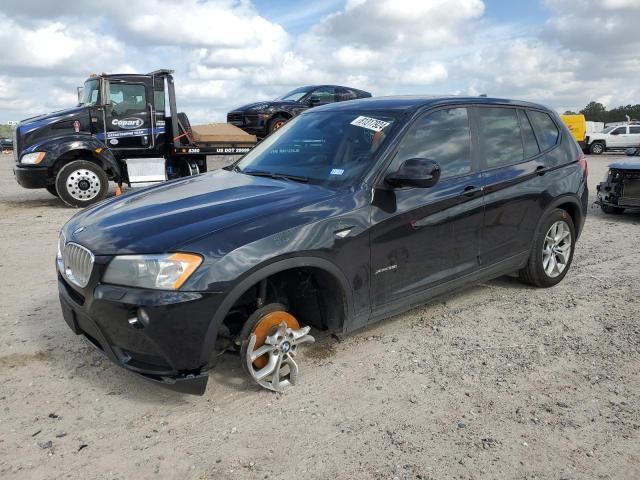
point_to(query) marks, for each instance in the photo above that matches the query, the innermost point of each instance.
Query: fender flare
(58, 147)
(564, 199)
(260, 273)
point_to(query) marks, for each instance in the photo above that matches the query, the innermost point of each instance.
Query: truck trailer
(125, 129)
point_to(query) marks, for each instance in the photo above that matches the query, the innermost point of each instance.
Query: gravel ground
(499, 381)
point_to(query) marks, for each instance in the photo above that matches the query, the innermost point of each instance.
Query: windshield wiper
(276, 176)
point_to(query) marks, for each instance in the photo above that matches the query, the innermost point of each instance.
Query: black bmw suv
(262, 118)
(350, 213)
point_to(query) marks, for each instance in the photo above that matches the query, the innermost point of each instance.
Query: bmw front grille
(77, 264)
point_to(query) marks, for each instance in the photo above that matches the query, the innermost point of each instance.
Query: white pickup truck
(617, 137)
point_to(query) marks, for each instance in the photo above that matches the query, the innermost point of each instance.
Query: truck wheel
(611, 210)
(596, 148)
(552, 251)
(81, 183)
(270, 339)
(276, 123)
(52, 190)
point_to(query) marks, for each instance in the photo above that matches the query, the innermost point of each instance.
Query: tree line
(6, 131)
(597, 112)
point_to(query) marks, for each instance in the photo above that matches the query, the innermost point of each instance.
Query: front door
(425, 237)
(128, 116)
(618, 137)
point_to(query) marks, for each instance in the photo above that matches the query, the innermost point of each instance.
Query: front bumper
(32, 177)
(169, 350)
(251, 122)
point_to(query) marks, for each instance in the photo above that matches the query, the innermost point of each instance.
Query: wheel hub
(272, 345)
(83, 185)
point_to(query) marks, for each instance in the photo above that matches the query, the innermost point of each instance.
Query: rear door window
(343, 94)
(443, 136)
(634, 130)
(548, 133)
(499, 136)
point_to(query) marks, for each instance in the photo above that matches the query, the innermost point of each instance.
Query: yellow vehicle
(578, 127)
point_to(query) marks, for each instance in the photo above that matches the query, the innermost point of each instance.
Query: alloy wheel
(269, 356)
(556, 249)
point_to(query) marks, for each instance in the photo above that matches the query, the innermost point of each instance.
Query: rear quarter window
(548, 133)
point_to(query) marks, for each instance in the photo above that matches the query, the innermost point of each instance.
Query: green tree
(595, 112)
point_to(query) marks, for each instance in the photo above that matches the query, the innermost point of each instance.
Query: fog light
(140, 319)
(143, 315)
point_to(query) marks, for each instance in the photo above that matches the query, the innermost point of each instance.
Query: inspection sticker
(370, 123)
(336, 171)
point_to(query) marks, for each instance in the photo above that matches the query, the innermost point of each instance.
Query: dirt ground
(499, 381)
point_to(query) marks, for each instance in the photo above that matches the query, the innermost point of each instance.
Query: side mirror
(415, 172)
(313, 101)
(80, 95)
(631, 152)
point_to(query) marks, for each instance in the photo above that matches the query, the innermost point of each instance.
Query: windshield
(295, 95)
(90, 92)
(332, 149)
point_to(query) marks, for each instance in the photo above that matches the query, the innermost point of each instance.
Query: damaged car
(262, 118)
(620, 188)
(348, 214)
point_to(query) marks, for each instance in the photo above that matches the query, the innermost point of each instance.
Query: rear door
(513, 169)
(423, 237)
(634, 136)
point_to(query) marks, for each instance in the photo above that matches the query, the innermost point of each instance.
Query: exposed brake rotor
(273, 343)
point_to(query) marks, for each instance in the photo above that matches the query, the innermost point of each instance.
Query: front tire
(597, 148)
(81, 183)
(552, 251)
(276, 123)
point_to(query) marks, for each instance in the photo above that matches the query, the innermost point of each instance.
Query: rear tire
(550, 259)
(596, 148)
(81, 183)
(611, 210)
(52, 190)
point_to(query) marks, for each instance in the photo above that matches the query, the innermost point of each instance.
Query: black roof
(410, 102)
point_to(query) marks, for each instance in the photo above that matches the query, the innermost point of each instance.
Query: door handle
(541, 170)
(471, 191)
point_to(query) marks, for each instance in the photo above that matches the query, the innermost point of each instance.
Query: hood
(628, 165)
(170, 215)
(261, 106)
(33, 123)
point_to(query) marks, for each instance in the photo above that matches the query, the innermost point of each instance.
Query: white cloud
(380, 24)
(226, 53)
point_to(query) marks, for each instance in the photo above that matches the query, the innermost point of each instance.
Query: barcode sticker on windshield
(370, 123)
(336, 171)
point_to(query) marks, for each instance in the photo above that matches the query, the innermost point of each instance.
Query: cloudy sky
(562, 53)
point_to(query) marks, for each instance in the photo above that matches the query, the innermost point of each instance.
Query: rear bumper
(167, 351)
(32, 177)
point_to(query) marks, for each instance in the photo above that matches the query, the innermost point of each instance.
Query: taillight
(583, 163)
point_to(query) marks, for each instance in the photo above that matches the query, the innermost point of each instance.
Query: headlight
(162, 272)
(32, 158)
